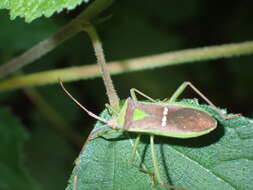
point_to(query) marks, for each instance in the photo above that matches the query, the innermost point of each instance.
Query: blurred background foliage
(136, 28)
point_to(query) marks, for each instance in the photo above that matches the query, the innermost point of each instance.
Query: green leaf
(13, 175)
(32, 9)
(221, 160)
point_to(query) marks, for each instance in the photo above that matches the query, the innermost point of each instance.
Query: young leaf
(219, 160)
(32, 9)
(13, 175)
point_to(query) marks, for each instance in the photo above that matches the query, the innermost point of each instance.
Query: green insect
(164, 118)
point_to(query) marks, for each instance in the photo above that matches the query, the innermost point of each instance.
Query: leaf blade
(32, 9)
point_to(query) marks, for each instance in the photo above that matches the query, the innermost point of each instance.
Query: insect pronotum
(164, 118)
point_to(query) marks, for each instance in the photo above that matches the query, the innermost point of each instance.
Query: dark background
(136, 28)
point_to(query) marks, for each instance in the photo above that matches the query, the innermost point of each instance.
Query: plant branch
(55, 39)
(130, 65)
(97, 45)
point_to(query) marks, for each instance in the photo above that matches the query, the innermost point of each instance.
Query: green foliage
(13, 175)
(219, 160)
(32, 9)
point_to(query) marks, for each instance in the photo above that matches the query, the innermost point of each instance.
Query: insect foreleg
(100, 134)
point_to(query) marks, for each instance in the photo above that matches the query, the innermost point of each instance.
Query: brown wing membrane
(179, 119)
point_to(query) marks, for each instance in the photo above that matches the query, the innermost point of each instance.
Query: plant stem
(97, 45)
(55, 39)
(129, 65)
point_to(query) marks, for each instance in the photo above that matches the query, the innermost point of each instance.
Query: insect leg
(156, 167)
(100, 134)
(182, 87)
(111, 110)
(133, 155)
(133, 92)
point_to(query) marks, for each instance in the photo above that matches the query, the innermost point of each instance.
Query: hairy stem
(129, 65)
(97, 45)
(55, 39)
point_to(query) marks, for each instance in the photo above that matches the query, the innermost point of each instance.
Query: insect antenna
(81, 106)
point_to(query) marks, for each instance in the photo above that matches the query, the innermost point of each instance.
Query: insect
(164, 118)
